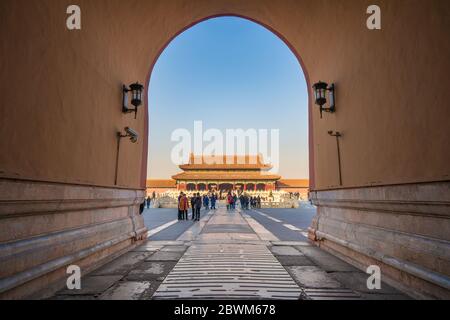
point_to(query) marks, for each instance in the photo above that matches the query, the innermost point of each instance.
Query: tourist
(183, 206)
(148, 202)
(213, 201)
(258, 202)
(206, 201)
(179, 211)
(229, 201)
(234, 201)
(193, 198)
(198, 206)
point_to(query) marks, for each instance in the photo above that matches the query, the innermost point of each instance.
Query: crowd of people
(195, 202)
(245, 201)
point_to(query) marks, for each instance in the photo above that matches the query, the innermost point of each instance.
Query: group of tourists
(149, 200)
(231, 201)
(195, 202)
(245, 201)
(249, 202)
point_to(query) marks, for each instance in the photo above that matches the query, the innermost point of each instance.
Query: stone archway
(379, 188)
(302, 68)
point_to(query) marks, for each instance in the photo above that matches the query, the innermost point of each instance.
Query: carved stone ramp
(228, 260)
(228, 271)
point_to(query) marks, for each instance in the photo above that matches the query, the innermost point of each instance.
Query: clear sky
(230, 73)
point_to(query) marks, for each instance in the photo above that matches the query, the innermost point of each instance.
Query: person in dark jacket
(193, 199)
(206, 201)
(198, 206)
(213, 201)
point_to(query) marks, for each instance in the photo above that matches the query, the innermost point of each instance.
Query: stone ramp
(228, 271)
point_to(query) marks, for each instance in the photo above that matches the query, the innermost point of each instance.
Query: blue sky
(230, 73)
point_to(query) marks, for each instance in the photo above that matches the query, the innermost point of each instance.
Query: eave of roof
(215, 177)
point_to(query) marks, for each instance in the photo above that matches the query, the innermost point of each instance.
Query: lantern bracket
(322, 100)
(134, 88)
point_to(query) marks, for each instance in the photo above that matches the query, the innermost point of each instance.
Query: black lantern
(320, 90)
(136, 97)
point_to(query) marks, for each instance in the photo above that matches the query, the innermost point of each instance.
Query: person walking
(179, 210)
(229, 201)
(148, 201)
(198, 206)
(213, 201)
(193, 198)
(183, 206)
(206, 201)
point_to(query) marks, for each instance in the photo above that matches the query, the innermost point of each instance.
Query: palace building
(226, 173)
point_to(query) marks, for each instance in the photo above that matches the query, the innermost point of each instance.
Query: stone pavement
(227, 255)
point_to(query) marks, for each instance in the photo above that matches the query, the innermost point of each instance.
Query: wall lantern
(136, 97)
(320, 90)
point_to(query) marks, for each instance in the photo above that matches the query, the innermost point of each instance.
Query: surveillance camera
(132, 134)
(330, 132)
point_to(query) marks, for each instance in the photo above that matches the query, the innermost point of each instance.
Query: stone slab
(148, 247)
(165, 256)
(174, 249)
(285, 251)
(369, 296)
(358, 282)
(93, 285)
(291, 243)
(295, 261)
(325, 260)
(163, 243)
(226, 228)
(126, 290)
(123, 264)
(151, 271)
(312, 277)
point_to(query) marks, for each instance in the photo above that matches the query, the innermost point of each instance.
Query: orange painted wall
(61, 90)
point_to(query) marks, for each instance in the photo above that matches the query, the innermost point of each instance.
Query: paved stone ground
(227, 255)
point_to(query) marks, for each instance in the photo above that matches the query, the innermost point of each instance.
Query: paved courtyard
(252, 254)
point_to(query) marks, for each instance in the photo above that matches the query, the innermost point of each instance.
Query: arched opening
(310, 163)
(250, 186)
(260, 187)
(212, 186)
(225, 187)
(191, 187)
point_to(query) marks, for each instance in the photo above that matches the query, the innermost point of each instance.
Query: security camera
(132, 134)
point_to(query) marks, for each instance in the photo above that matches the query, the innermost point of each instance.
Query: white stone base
(405, 229)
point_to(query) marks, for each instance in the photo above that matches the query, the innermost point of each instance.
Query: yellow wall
(61, 90)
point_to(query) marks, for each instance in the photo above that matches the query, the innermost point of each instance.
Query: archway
(225, 187)
(191, 187)
(85, 169)
(260, 187)
(292, 49)
(250, 186)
